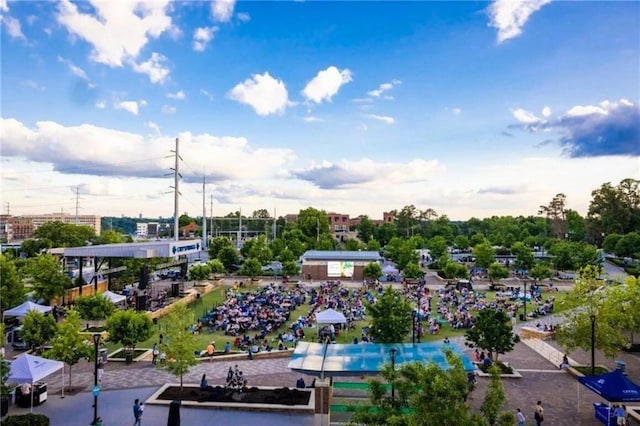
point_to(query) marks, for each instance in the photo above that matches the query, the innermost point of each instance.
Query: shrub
(30, 419)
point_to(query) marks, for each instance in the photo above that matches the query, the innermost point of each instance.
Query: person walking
(100, 370)
(538, 415)
(520, 417)
(137, 413)
(154, 352)
(620, 415)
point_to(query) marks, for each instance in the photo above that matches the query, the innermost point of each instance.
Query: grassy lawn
(217, 296)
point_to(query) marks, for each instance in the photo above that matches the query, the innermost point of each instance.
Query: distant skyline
(472, 109)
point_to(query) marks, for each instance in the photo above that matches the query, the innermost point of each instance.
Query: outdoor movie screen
(340, 269)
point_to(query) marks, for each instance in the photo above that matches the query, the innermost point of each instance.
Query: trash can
(102, 355)
(174, 414)
(622, 366)
(128, 357)
(39, 393)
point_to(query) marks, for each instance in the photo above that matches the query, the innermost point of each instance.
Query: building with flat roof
(337, 265)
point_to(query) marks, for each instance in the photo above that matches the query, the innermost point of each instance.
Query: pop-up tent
(613, 386)
(330, 316)
(21, 311)
(389, 269)
(31, 369)
(114, 297)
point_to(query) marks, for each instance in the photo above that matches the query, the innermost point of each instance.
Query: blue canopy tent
(614, 387)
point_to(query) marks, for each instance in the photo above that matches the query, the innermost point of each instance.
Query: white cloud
(524, 116)
(312, 119)
(202, 36)
(384, 118)
(509, 16)
(265, 94)
(153, 127)
(12, 26)
(546, 111)
(384, 87)
(203, 92)
(131, 106)
(155, 68)
(168, 109)
(3, 6)
(101, 189)
(75, 70)
(119, 30)
(101, 104)
(582, 110)
(179, 95)
(325, 84)
(222, 10)
(243, 17)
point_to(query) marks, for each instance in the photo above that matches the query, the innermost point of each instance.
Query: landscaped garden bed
(121, 354)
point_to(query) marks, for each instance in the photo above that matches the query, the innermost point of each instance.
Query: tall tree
(313, 223)
(217, 244)
(181, 344)
(492, 332)
(390, 317)
(228, 256)
(64, 234)
(372, 271)
(251, 268)
(69, 345)
(38, 329)
(524, 256)
(614, 209)
(128, 328)
(484, 255)
(437, 246)
(497, 271)
(11, 286)
(366, 229)
(494, 400)
(385, 232)
(555, 212)
(49, 281)
(96, 307)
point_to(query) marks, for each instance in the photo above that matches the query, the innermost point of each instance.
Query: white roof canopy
(21, 311)
(330, 316)
(114, 297)
(30, 369)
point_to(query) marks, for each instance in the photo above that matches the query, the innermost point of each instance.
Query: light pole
(593, 344)
(413, 327)
(96, 389)
(393, 368)
(525, 301)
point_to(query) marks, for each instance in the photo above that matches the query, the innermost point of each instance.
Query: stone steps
(547, 351)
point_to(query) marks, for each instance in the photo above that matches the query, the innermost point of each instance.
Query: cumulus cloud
(326, 84)
(546, 111)
(153, 127)
(202, 36)
(265, 94)
(328, 175)
(168, 109)
(222, 10)
(119, 30)
(155, 67)
(509, 16)
(130, 106)
(609, 128)
(12, 26)
(524, 116)
(112, 188)
(384, 87)
(384, 118)
(112, 151)
(179, 95)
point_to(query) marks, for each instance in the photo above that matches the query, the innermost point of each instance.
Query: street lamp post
(525, 300)
(393, 368)
(96, 389)
(593, 345)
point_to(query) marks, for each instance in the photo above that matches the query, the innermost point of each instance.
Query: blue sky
(469, 108)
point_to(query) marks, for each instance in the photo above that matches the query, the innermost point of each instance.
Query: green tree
(540, 271)
(313, 223)
(251, 268)
(64, 234)
(524, 256)
(461, 242)
(11, 286)
(366, 229)
(385, 232)
(215, 266)
(437, 246)
(556, 214)
(109, 237)
(290, 268)
(492, 332)
(425, 395)
(570, 256)
(497, 271)
(128, 328)
(453, 270)
(412, 270)
(628, 245)
(614, 210)
(228, 256)
(96, 307)
(217, 244)
(390, 317)
(295, 241)
(588, 298)
(258, 248)
(199, 272)
(33, 247)
(373, 245)
(48, 279)
(610, 242)
(352, 245)
(38, 329)
(495, 397)
(181, 343)
(69, 345)
(622, 303)
(372, 271)
(484, 255)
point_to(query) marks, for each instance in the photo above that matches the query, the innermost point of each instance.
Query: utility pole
(77, 201)
(204, 216)
(239, 242)
(176, 191)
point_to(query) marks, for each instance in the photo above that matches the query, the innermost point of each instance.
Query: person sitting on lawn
(227, 348)
(211, 349)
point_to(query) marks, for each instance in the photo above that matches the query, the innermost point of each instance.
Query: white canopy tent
(21, 311)
(31, 369)
(330, 316)
(114, 297)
